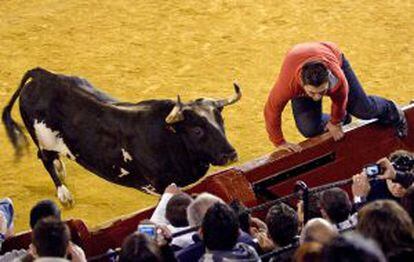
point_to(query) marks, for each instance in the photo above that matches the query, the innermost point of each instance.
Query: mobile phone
(148, 229)
(372, 170)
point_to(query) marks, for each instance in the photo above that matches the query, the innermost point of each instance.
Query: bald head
(318, 230)
(198, 208)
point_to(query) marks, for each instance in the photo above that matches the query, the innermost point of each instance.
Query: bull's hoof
(65, 197)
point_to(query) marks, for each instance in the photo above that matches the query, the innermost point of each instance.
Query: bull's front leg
(56, 170)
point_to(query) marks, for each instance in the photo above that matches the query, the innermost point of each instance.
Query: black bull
(145, 145)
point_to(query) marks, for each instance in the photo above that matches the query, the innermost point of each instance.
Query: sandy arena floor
(137, 50)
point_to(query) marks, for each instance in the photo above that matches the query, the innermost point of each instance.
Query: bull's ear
(176, 114)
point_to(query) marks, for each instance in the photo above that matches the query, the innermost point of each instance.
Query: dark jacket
(195, 251)
(240, 252)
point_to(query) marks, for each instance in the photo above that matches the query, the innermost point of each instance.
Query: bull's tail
(14, 130)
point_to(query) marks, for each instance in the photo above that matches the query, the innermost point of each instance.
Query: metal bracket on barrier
(261, 188)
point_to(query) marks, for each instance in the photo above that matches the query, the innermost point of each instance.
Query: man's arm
(360, 189)
(339, 96)
(275, 104)
(404, 179)
(158, 216)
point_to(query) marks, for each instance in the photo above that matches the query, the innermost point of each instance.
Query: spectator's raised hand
(301, 215)
(388, 170)
(164, 235)
(172, 189)
(264, 241)
(259, 230)
(258, 224)
(360, 185)
(76, 253)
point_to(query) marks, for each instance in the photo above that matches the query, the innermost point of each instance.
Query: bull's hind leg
(55, 168)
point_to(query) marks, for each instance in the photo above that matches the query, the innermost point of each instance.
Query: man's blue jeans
(311, 121)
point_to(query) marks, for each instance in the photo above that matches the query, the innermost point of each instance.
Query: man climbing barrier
(311, 71)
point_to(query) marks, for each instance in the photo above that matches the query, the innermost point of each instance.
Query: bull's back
(88, 125)
(45, 85)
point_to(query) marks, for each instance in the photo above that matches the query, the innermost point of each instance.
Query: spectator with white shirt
(171, 211)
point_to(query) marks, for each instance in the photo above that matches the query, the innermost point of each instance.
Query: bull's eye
(197, 131)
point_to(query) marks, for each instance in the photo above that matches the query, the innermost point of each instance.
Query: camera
(402, 162)
(372, 170)
(148, 229)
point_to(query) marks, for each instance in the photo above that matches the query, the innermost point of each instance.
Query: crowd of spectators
(374, 223)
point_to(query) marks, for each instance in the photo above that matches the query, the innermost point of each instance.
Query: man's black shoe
(401, 127)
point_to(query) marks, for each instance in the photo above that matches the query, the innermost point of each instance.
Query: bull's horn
(176, 114)
(231, 100)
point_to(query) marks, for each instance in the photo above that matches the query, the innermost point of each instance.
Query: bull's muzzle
(227, 158)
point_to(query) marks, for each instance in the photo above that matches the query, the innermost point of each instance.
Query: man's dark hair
(283, 223)
(220, 227)
(51, 237)
(243, 214)
(140, 247)
(314, 210)
(314, 73)
(176, 209)
(44, 208)
(336, 204)
(350, 248)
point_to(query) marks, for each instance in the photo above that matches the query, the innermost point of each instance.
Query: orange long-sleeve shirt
(289, 84)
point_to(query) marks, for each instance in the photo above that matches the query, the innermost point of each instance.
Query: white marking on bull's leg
(60, 169)
(123, 172)
(126, 155)
(51, 140)
(64, 195)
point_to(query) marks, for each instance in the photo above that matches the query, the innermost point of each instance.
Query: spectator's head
(313, 207)
(308, 252)
(407, 202)
(352, 248)
(220, 228)
(243, 214)
(318, 230)
(335, 205)
(387, 223)
(314, 73)
(140, 247)
(282, 222)
(314, 210)
(198, 208)
(51, 237)
(176, 209)
(402, 161)
(44, 208)
(315, 79)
